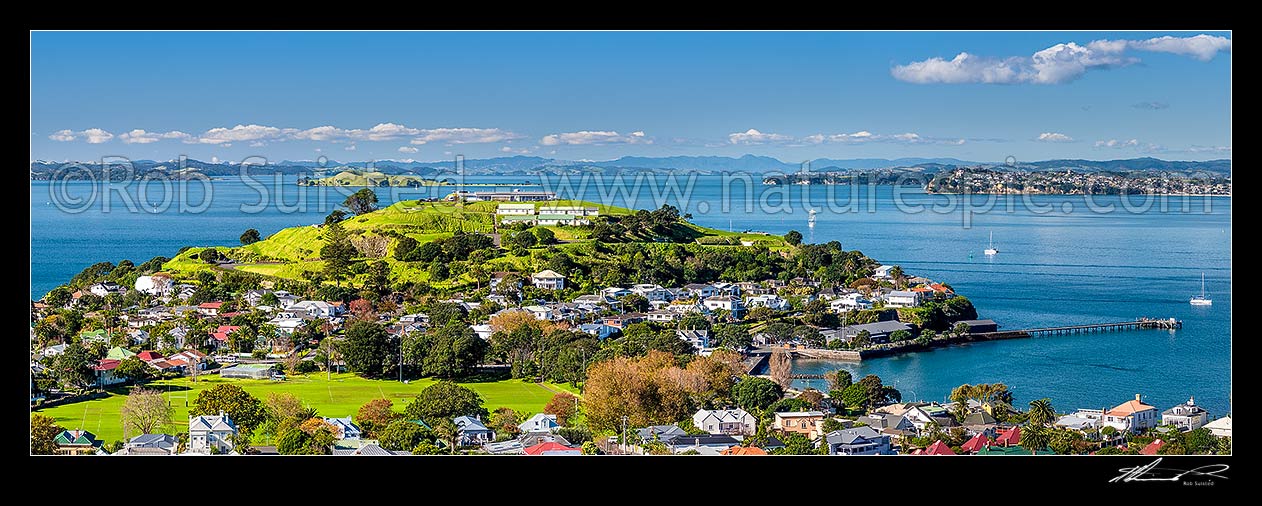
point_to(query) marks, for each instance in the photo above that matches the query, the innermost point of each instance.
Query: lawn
(342, 396)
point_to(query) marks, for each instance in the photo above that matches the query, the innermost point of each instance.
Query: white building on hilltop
(211, 434)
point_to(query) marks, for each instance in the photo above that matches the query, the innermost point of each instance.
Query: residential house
(699, 339)
(600, 330)
(209, 308)
(483, 331)
(660, 432)
(551, 448)
(902, 298)
(211, 434)
(896, 425)
(106, 372)
(150, 444)
(849, 301)
(708, 444)
(743, 450)
(499, 277)
(652, 292)
(544, 313)
(77, 442)
(882, 272)
(806, 423)
(569, 210)
(369, 449)
(861, 440)
(1010, 437)
(313, 309)
(548, 280)
(1081, 420)
(770, 301)
(471, 431)
(1187, 416)
(937, 448)
(1153, 448)
(154, 285)
(540, 422)
(344, 428)
(725, 288)
(105, 288)
(725, 421)
(729, 303)
(1220, 427)
(515, 210)
(510, 447)
(621, 321)
(701, 290)
(1132, 415)
(615, 292)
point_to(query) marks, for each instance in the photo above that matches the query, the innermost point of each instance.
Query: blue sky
(578, 95)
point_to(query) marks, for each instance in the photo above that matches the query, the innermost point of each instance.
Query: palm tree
(1041, 412)
(1034, 438)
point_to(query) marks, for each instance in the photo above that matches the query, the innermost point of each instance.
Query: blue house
(472, 432)
(861, 440)
(345, 428)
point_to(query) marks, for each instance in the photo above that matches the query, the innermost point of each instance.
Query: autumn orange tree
(654, 389)
(564, 405)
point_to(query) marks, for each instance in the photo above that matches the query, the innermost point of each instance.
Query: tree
(781, 367)
(505, 421)
(402, 435)
(869, 393)
(545, 236)
(363, 201)
(58, 297)
(1034, 438)
(794, 238)
(44, 431)
(756, 393)
(367, 350)
(1041, 412)
(840, 379)
(900, 336)
(961, 329)
(375, 415)
(209, 255)
(334, 217)
(74, 366)
(250, 236)
(453, 350)
(564, 405)
(862, 339)
(145, 412)
(444, 400)
(812, 396)
(245, 410)
(134, 369)
(1199, 441)
(634, 302)
(286, 410)
(337, 252)
(732, 337)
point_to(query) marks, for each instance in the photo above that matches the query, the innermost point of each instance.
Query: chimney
(1136, 397)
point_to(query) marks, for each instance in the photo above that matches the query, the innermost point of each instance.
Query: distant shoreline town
(984, 181)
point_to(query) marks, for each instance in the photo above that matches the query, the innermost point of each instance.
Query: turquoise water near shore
(1059, 263)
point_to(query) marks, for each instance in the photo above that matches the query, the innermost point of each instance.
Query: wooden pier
(1142, 323)
(807, 376)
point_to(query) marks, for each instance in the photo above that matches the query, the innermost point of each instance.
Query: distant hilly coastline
(533, 165)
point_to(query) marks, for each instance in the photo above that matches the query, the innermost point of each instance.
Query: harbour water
(1059, 263)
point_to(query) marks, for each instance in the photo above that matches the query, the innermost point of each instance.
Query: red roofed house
(230, 314)
(209, 308)
(976, 444)
(1133, 415)
(1010, 437)
(938, 448)
(150, 356)
(551, 448)
(221, 334)
(743, 450)
(1153, 447)
(105, 372)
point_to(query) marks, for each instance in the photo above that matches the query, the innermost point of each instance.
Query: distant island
(1006, 180)
(352, 177)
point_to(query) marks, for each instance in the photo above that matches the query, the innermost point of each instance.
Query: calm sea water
(1059, 263)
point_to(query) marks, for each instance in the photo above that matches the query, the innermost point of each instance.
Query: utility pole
(624, 434)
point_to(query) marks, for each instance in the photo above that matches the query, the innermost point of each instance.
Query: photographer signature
(1151, 472)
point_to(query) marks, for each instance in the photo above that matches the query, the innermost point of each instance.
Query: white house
(344, 428)
(106, 288)
(314, 309)
(727, 302)
(286, 325)
(154, 285)
(701, 290)
(1220, 427)
(1132, 415)
(540, 422)
(902, 298)
(652, 292)
(569, 210)
(662, 316)
(1187, 416)
(850, 301)
(882, 272)
(548, 280)
(544, 313)
(211, 434)
(770, 301)
(700, 339)
(515, 209)
(483, 331)
(725, 421)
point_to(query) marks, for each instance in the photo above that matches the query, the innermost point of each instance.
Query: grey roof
(664, 432)
(977, 322)
(469, 424)
(510, 446)
(979, 418)
(704, 439)
(851, 436)
(368, 449)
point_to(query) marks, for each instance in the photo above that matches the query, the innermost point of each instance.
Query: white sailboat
(1201, 300)
(991, 251)
(810, 219)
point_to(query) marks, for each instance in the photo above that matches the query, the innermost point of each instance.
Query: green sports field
(342, 395)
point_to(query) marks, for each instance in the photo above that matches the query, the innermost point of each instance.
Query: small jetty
(1141, 323)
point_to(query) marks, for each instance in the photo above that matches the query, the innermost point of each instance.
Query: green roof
(80, 437)
(512, 217)
(92, 334)
(561, 217)
(118, 353)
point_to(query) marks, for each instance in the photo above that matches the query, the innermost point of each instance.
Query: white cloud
(860, 137)
(350, 147)
(1115, 143)
(257, 144)
(92, 135)
(139, 136)
(1057, 64)
(1210, 149)
(753, 136)
(62, 136)
(465, 135)
(244, 133)
(1202, 47)
(214, 159)
(594, 137)
(1054, 137)
(407, 149)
